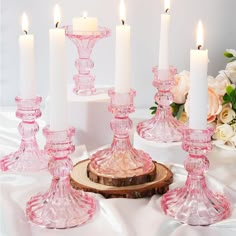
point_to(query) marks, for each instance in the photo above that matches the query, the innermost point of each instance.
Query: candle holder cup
(195, 203)
(61, 206)
(163, 127)
(84, 42)
(121, 164)
(28, 157)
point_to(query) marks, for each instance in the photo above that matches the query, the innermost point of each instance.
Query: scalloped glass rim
(100, 33)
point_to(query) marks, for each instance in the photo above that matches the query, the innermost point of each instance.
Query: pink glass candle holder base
(121, 159)
(28, 158)
(163, 127)
(61, 206)
(195, 203)
(84, 42)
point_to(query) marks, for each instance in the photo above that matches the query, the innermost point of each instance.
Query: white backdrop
(218, 17)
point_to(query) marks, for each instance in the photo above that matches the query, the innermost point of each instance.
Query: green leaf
(233, 59)
(176, 108)
(174, 105)
(229, 90)
(181, 109)
(153, 112)
(230, 97)
(226, 98)
(234, 106)
(233, 95)
(153, 108)
(228, 54)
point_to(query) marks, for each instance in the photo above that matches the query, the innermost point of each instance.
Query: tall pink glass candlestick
(84, 42)
(28, 157)
(121, 160)
(163, 127)
(61, 206)
(195, 203)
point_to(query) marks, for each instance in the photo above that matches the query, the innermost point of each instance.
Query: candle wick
(167, 10)
(123, 22)
(57, 24)
(25, 31)
(199, 47)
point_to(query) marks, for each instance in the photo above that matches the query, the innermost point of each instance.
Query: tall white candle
(164, 38)
(84, 24)
(58, 88)
(27, 62)
(122, 52)
(198, 94)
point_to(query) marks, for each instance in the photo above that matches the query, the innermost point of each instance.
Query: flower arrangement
(221, 101)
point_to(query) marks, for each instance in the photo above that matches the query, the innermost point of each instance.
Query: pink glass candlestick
(61, 206)
(28, 157)
(163, 127)
(84, 42)
(195, 203)
(121, 160)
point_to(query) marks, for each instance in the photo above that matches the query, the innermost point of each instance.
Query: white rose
(233, 127)
(219, 83)
(232, 141)
(223, 132)
(230, 70)
(227, 114)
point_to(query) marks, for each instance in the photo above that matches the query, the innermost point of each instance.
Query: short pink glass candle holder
(61, 206)
(163, 127)
(84, 42)
(28, 158)
(195, 203)
(121, 160)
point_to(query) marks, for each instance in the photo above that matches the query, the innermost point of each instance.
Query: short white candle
(164, 38)
(27, 62)
(122, 54)
(58, 88)
(84, 24)
(198, 94)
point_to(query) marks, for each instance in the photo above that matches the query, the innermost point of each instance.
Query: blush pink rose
(182, 87)
(214, 105)
(219, 83)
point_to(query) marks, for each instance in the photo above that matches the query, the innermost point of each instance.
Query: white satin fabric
(115, 217)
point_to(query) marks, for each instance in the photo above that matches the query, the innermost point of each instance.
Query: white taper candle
(58, 85)
(122, 52)
(198, 100)
(164, 38)
(27, 62)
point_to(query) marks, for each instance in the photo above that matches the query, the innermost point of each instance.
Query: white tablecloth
(115, 217)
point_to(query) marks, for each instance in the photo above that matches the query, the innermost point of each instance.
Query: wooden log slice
(160, 185)
(118, 182)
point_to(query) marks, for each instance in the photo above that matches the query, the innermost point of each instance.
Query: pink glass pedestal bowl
(121, 160)
(84, 42)
(61, 206)
(195, 203)
(163, 127)
(28, 158)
